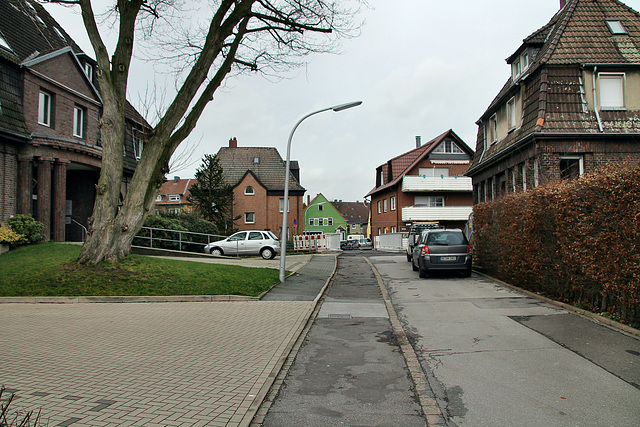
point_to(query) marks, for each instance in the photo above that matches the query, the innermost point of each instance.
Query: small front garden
(50, 269)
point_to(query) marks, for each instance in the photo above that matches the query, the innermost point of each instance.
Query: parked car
(363, 244)
(414, 235)
(442, 250)
(251, 242)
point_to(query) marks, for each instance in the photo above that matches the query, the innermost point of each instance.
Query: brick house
(50, 108)
(570, 106)
(356, 214)
(425, 184)
(257, 176)
(173, 196)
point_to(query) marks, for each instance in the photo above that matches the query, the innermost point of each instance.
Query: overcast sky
(420, 67)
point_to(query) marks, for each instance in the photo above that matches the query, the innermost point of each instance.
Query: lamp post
(304, 228)
(283, 234)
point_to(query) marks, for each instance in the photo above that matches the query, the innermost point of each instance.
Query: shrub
(161, 239)
(27, 226)
(10, 237)
(575, 241)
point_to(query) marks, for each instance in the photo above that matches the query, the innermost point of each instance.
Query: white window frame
(384, 205)
(607, 84)
(159, 198)
(524, 177)
(580, 162)
(449, 147)
(616, 27)
(311, 221)
(78, 121)
(88, 70)
(392, 202)
(174, 197)
(249, 191)
(44, 108)
(511, 113)
(379, 206)
(249, 218)
(281, 206)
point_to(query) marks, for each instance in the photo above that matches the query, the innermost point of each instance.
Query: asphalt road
(495, 357)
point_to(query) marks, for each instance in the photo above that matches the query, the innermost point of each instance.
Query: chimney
(233, 143)
(176, 179)
(418, 141)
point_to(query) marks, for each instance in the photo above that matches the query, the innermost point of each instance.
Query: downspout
(595, 98)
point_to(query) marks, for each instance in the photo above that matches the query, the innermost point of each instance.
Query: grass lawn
(50, 269)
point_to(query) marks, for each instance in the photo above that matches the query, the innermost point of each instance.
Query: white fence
(391, 242)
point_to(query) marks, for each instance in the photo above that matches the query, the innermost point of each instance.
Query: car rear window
(446, 238)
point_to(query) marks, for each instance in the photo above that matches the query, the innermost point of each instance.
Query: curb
(125, 299)
(431, 410)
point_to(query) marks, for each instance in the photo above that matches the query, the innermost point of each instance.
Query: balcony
(444, 213)
(419, 184)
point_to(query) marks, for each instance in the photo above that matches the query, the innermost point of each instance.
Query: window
(433, 172)
(516, 69)
(325, 222)
(611, 91)
(256, 235)
(511, 113)
(616, 27)
(249, 218)
(138, 145)
(524, 177)
(429, 201)
(316, 222)
(379, 206)
(384, 205)
(44, 109)
(282, 205)
(256, 160)
(249, 191)
(174, 197)
(159, 198)
(320, 208)
(393, 203)
(78, 121)
(571, 167)
(330, 221)
(88, 70)
(311, 221)
(493, 129)
(393, 228)
(448, 146)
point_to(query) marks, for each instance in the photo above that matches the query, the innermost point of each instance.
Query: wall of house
(8, 180)
(256, 203)
(383, 222)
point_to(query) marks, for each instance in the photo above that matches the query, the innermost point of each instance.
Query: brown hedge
(576, 241)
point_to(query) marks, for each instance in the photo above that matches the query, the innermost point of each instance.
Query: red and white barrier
(311, 242)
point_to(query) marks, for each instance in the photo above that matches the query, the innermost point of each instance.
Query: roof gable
(269, 169)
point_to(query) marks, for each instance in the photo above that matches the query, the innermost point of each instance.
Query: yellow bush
(10, 237)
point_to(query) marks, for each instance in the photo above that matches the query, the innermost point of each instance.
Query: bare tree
(255, 35)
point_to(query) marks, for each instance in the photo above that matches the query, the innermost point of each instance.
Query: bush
(575, 241)
(10, 237)
(27, 226)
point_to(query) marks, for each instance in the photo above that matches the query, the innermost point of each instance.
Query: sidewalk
(156, 364)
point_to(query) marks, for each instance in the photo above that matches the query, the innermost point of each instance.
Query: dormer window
(616, 27)
(520, 65)
(88, 70)
(256, 160)
(448, 146)
(174, 197)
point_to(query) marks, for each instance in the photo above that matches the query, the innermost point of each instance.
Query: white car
(250, 242)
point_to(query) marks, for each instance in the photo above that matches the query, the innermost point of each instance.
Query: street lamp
(283, 234)
(304, 228)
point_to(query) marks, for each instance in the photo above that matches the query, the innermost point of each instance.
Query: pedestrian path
(154, 364)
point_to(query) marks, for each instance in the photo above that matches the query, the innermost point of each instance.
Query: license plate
(448, 258)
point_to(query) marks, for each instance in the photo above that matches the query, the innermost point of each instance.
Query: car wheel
(216, 251)
(413, 266)
(422, 272)
(409, 259)
(267, 253)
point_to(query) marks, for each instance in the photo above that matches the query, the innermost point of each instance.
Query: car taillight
(468, 249)
(425, 250)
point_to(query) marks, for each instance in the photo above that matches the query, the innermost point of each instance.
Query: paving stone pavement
(152, 364)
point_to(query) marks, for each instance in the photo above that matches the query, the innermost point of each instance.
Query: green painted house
(322, 217)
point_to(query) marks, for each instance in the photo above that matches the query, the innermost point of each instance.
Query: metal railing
(175, 239)
(83, 232)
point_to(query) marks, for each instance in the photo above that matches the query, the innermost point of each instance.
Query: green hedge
(577, 241)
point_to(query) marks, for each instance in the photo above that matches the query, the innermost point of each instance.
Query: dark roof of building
(407, 161)
(576, 37)
(353, 212)
(269, 169)
(29, 31)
